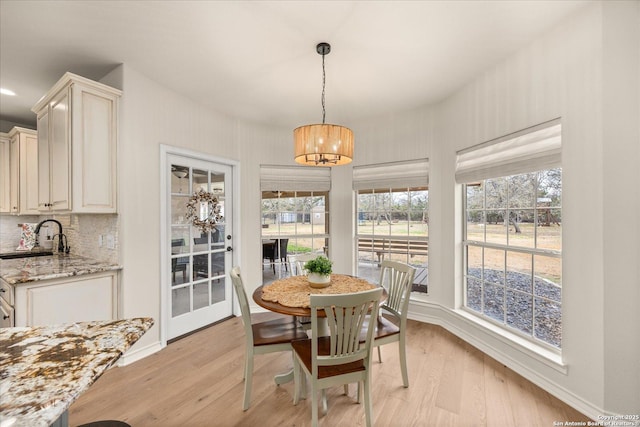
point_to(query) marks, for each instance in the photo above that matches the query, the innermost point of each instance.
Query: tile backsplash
(83, 233)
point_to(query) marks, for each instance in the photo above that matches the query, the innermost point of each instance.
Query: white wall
(621, 205)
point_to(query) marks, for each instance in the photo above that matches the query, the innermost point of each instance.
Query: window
(295, 216)
(392, 218)
(512, 236)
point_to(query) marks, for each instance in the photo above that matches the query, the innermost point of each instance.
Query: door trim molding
(164, 253)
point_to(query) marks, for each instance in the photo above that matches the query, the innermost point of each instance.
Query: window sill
(544, 355)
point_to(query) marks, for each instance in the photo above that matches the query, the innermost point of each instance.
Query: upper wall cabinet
(5, 142)
(77, 143)
(23, 170)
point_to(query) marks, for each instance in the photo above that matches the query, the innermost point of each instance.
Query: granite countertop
(44, 369)
(24, 270)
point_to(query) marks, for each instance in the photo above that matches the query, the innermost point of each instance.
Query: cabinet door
(28, 173)
(94, 141)
(83, 299)
(43, 160)
(59, 162)
(4, 173)
(14, 178)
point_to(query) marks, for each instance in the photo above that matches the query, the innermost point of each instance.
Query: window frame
(293, 237)
(508, 248)
(391, 237)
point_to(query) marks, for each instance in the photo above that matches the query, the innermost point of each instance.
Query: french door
(197, 291)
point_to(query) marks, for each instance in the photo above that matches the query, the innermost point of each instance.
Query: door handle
(229, 248)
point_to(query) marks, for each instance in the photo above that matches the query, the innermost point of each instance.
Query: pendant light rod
(323, 49)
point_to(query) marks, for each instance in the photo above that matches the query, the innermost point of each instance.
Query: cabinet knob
(5, 317)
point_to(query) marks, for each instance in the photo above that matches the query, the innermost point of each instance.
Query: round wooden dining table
(297, 284)
(289, 284)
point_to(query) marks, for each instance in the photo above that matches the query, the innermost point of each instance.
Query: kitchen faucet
(62, 239)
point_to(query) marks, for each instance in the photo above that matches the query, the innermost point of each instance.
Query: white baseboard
(461, 327)
(133, 355)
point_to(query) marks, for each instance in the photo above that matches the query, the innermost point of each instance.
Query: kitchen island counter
(32, 269)
(44, 369)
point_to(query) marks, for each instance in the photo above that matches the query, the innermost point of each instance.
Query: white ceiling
(256, 59)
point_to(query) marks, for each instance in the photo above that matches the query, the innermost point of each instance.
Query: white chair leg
(324, 401)
(359, 395)
(403, 361)
(314, 406)
(346, 389)
(368, 413)
(379, 355)
(297, 380)
(248, 377)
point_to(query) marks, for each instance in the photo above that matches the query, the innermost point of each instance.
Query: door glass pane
(200, 295)
(179, 209)
(200, 266)
(218, 287)
(180, 303)
(218, 236)
(200, 180)
(179, 239)
(217, 264)
(179, 179)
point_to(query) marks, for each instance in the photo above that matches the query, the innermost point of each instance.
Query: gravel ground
(547, 324)
(518, 302)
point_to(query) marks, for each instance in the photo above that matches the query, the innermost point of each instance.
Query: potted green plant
(319, 272)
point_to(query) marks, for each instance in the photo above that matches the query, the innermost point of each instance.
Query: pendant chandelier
(323, 144)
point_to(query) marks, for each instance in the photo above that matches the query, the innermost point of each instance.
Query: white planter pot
(317, 280)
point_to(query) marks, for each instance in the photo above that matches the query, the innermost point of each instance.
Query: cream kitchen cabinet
(5, 143)
(77, 143)
(70, 299)
(23, 170)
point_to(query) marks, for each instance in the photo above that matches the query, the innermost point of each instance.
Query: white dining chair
(397, 279)
(262, 337)
(298, 262)
(340, 358)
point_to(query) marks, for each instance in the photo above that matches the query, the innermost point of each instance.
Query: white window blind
(413, 173)
(294, 178)
(530, 150)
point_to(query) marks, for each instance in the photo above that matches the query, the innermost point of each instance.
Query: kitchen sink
(13, 255)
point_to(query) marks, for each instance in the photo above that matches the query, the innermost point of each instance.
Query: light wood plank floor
(197, 381)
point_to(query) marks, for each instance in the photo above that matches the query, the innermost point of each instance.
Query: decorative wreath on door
(203, 211)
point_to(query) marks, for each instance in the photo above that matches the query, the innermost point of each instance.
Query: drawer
(6, 314)
(6, 292)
